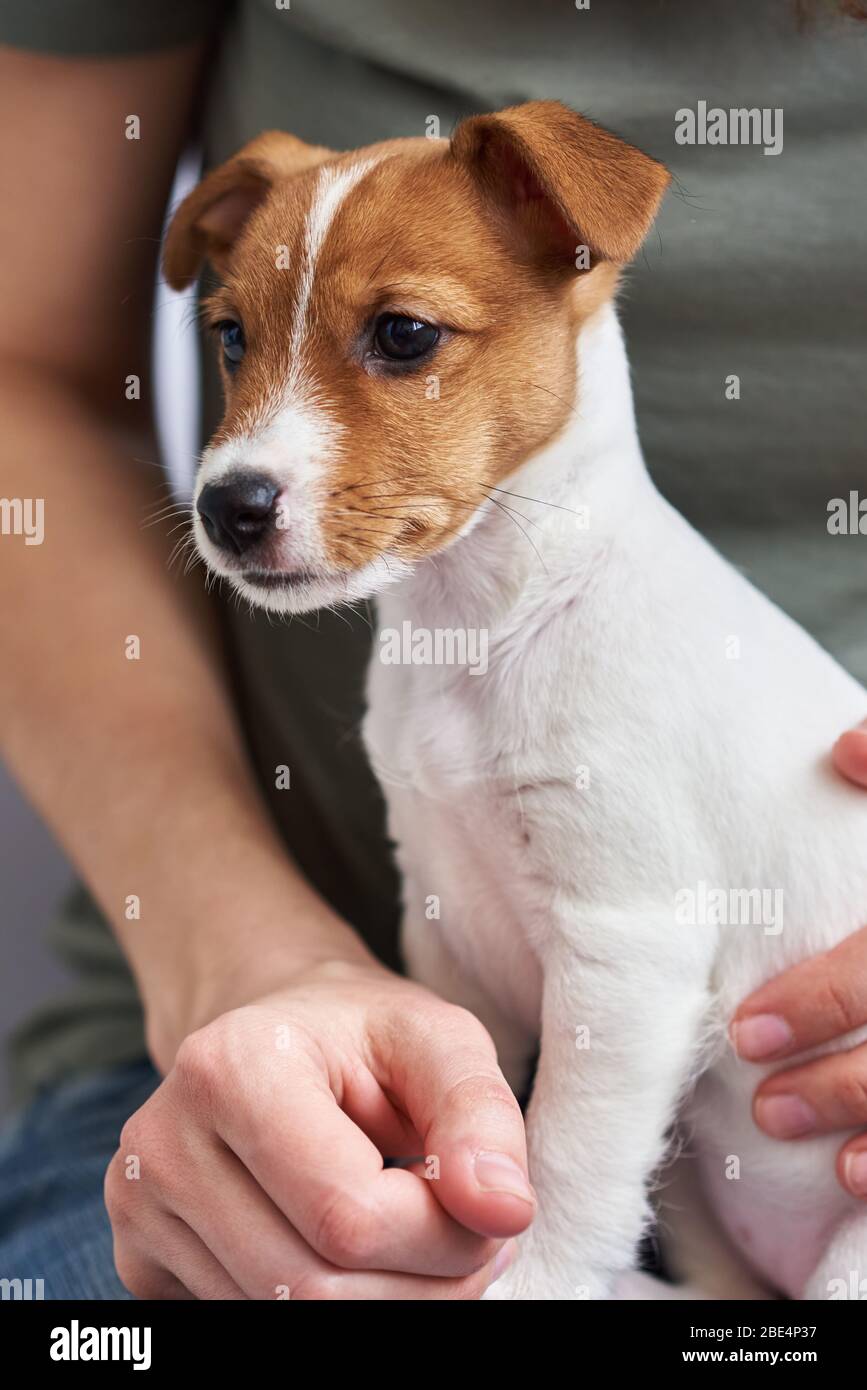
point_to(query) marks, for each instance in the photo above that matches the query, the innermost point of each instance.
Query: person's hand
(812, 1003)
(850, 754)
(255, 1170)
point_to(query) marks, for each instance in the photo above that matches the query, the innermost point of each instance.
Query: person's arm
(139, 768)
(137, 765)
(814, 1002)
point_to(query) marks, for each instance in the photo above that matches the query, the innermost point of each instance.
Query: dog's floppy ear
(563, 180)
(210, 219)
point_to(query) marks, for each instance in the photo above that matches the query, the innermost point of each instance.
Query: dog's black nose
(238, 513)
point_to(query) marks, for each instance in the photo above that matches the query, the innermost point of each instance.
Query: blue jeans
(53, 1157)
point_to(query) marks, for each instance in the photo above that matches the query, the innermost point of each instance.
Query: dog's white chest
(459, 834)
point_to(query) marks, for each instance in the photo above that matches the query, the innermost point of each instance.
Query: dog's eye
(232, 338)
(402, 338)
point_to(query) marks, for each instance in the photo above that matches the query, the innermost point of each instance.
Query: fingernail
(785, 1117)
(499, 1173)
(761, 1036)
(505, 1256)
(855, 1173)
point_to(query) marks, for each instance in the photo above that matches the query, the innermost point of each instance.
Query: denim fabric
(53, 1157)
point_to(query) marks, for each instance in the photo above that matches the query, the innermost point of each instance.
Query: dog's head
(397, 333)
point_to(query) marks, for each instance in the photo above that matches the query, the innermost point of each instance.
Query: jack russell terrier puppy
(624, 830)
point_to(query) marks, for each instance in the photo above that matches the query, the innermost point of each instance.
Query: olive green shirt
(756, 270)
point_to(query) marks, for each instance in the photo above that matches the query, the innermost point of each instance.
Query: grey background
(33, 875)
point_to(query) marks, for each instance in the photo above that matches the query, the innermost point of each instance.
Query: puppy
(618, 819)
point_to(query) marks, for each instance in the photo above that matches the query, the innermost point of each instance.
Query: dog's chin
(295, 593)
(303, 591)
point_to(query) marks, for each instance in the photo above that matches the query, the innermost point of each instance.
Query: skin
(259, 1152)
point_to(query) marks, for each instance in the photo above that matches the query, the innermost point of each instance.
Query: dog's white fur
(623, 644)
(332, 187)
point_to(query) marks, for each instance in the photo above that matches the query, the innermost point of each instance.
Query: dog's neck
(553, 517)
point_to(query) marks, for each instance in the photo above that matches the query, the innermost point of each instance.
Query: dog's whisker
(168, 514)
(416, 502)
(537, 500)
(535, 385)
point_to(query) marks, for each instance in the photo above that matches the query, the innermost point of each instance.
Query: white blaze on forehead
(331, 189)
(291, 434)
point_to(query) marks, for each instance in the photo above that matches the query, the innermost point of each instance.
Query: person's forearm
(136, 764)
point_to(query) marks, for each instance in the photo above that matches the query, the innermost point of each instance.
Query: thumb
(850, 754)
(473, 1131)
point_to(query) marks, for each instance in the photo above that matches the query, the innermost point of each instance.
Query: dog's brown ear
(210, 219)
(563, 180)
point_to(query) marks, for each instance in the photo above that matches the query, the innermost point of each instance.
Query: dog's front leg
(623, 1006)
